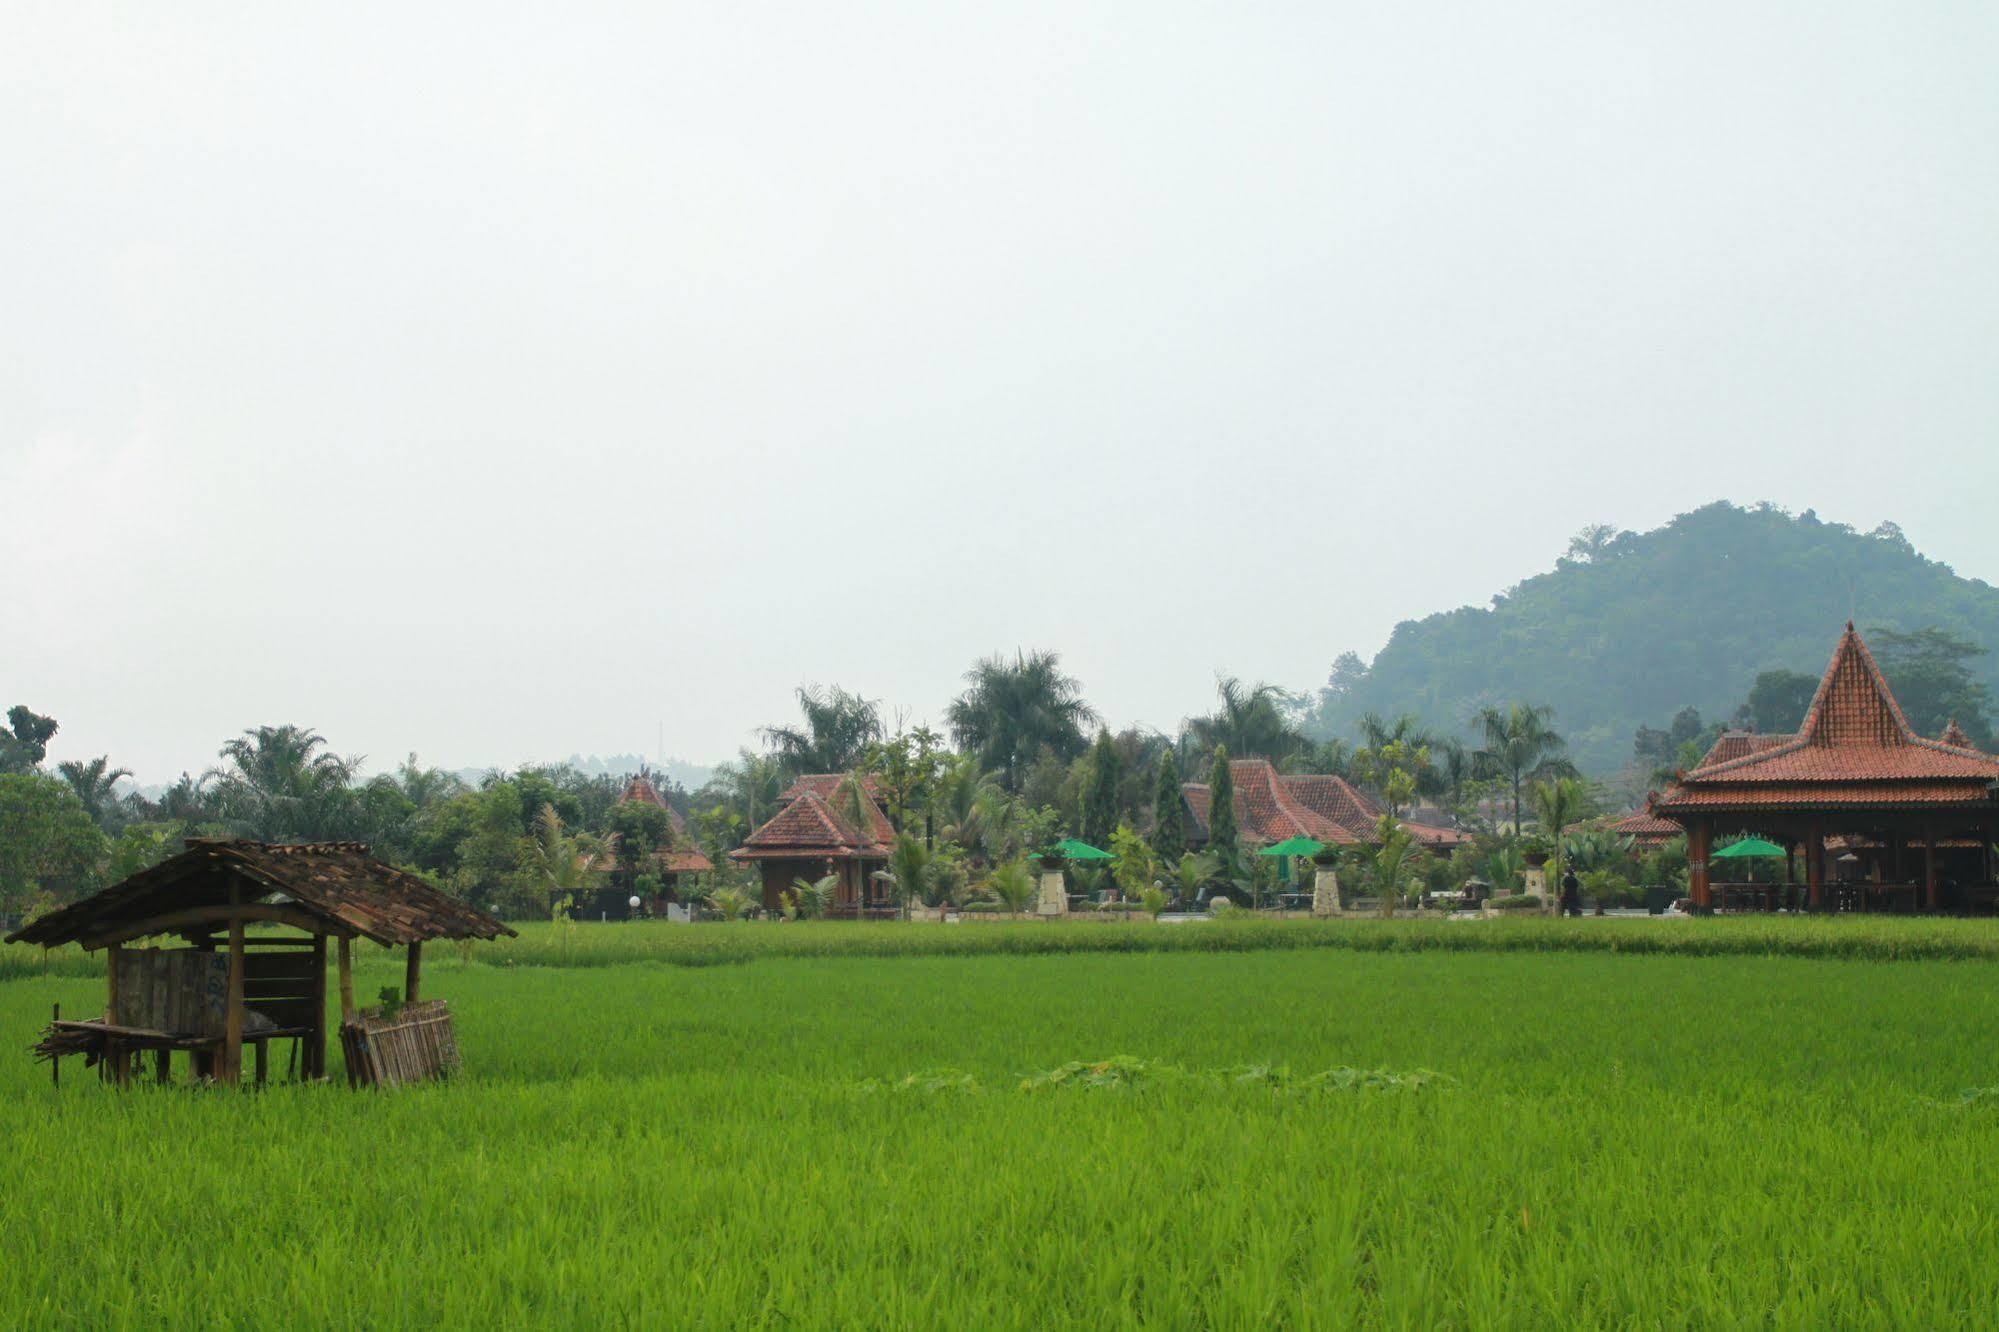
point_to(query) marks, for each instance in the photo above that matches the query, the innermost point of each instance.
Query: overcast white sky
(500, 383)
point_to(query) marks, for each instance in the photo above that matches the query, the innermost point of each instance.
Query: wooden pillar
(412, 972)
(263, 1060)
(315, 1044)
(346, 980)
(1699, 837)
(1929, 869)
(117, 1059)
(163, 1066)
(1815, 869)
(232, 1026)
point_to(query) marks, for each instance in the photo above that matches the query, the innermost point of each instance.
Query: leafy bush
(1518, 902)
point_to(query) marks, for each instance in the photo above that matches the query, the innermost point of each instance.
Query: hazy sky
(500, 384)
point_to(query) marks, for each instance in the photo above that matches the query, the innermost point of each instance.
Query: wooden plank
(346, 979)
(232, 1030)
(315, 1045)
(111, 956)
(176, 922)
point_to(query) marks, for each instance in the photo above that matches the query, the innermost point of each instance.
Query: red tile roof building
(679, 857)
(815, 833)
(1271, 806)
(1855, 767)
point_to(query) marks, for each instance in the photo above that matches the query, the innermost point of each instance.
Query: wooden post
(1929, 869)
(412, 971)
(163, 1065)
(232, 1026)
(346, 980)
(1699, 834)
(1815, 869)
(117, 1059)
(263, 1060)
(315, 1047)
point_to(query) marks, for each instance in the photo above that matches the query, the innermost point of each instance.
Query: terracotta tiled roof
(809, 827)
(1643, 827)
(641, 789)
(1352, 814)
(1732, 745)
(1854, 748)
(827, 786)
(1271, 806)
(672, 860)
(1954, 736)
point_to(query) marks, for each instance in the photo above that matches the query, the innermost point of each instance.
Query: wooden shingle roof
(339, 886)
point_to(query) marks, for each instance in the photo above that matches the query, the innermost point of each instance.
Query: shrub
(1518, 902)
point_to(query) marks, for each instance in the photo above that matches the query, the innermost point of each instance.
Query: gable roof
(1271, 806)
(828, 786)
(1854, 747)
(339, 884)
(808, 828)
(641, 789)
(1954, 736)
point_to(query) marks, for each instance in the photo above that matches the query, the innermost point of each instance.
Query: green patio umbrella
(1071, 849)
(1751, 848)
(1290, 848)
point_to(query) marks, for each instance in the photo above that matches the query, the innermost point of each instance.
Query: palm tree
(909, 870)
(1192, 871)
(1251, 721)
(558, 865)
(93, 783)
(1013, 885)
(838, 727)
(1013, 710)
(749, 786)
(1391, 855)
(1520, 745)
(1557, 804)
(279, 784)
(424, 787)
(810, 897)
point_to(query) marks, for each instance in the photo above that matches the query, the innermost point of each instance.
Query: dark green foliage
(1013, 711)
(24, 740)
(1100, 799)
(47, 842)
(1169, 812)
(1221, 808)
(1646, 624)
(1930, 672)
(642, 828)
(838, 728)
(1778, 699)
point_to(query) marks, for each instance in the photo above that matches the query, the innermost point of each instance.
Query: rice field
(837, 1133)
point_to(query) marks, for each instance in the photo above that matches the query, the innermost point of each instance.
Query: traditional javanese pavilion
(817, 832)
(1886, 820)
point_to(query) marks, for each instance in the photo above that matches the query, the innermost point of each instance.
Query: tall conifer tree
(1221, 808)
(1169, 812)
(1100, 809)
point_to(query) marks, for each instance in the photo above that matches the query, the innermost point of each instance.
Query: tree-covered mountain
(1630, 627)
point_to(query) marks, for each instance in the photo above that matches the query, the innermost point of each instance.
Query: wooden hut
(231, 987)
(818, 832)
(1916, 818)
(673, 864)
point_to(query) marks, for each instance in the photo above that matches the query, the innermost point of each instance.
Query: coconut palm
(811, 897)
(1391, 857)
(1251, 721)
(94, 783)
(1013, 884)
(1519, 744)
(837, 728)
(1015, 709)
(557, 865)
(1191, 872)
(1557, 804)
(280, 783)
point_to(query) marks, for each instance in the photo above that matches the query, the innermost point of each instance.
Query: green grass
(1616, 1139)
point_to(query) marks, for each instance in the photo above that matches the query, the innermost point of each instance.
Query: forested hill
(1630, 627)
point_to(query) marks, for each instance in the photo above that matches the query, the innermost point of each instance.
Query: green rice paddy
(1630, 1137)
